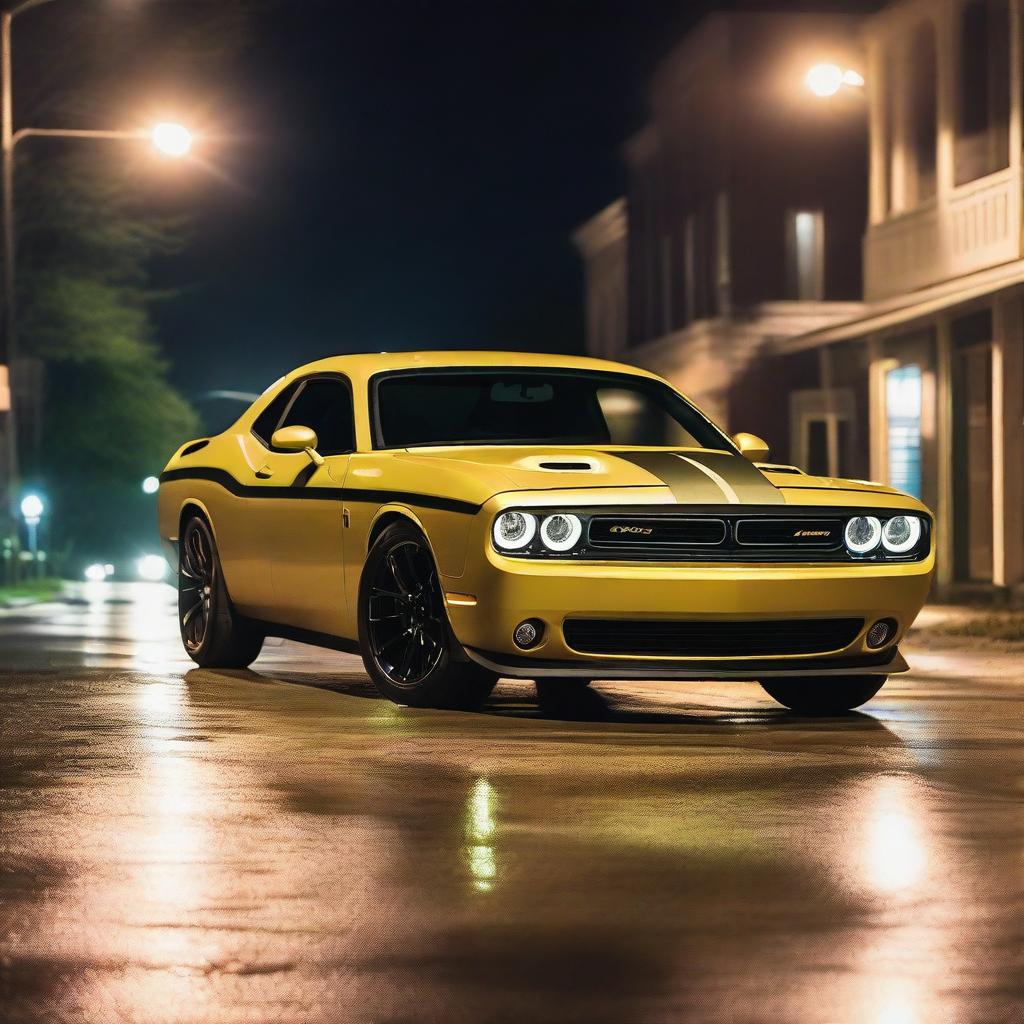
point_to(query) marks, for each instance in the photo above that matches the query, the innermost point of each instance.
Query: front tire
(553, 688)
(823, 696)
(213, 633)
(406, 642)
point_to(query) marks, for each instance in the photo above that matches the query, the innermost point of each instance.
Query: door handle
(264, 473)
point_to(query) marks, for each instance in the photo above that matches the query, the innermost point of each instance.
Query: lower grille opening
(709, 639)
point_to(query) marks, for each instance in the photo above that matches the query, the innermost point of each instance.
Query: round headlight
(514, 530)
(561, 531)
(901, 533)
(863, 534)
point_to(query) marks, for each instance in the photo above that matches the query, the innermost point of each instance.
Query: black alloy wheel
(407, 625)
(407, 644)
(213, 633)
(195, 587)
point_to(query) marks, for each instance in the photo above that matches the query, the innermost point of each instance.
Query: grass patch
(30, 590)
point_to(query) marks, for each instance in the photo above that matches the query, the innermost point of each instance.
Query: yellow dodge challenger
(456, 517)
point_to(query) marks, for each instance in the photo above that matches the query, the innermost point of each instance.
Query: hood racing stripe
(730, 495)
(707, 477)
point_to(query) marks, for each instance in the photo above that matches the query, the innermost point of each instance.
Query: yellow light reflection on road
(895, 854)
(480, 827)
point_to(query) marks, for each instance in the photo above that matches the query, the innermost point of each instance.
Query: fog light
(881, 633)
(527, 634)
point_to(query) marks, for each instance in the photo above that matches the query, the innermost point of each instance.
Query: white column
(944, 524)
(1008, 442)
(878, 419)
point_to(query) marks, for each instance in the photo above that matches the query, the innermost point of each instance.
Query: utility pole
(8, 345)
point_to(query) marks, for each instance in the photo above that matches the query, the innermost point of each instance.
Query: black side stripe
(224, 479)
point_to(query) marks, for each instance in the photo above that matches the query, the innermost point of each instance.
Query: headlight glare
(862, 534)
(561, 531)
(514, 530)
(901, 534)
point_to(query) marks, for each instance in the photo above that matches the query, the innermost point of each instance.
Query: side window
(325, 405)
(267, 421)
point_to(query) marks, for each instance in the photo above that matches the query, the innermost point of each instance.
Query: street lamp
(826, 80)
(32, 509)
(171, 138)
(150, 485)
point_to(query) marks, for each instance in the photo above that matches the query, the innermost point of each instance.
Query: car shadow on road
(517, 699)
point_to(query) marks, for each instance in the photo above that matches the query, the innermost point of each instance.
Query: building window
(822, 430)
(903, 393)
(983, 90)
(667, 284)
(922, 119)
(805, 254)
(690, 266)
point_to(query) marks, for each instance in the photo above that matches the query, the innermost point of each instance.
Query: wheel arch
(191, 507)
(388, 514)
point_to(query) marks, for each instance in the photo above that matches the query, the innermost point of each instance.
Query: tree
(109, 416)
(88, 235)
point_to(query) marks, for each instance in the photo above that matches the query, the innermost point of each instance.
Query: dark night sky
(409, 178)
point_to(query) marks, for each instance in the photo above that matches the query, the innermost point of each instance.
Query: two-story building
(938, 350)
(920, 382)
(746, 198)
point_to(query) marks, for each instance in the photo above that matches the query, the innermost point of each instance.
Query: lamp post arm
(77, 133)
(25, 5)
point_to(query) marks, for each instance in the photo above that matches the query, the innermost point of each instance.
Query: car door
(303, 524)
(247, 520)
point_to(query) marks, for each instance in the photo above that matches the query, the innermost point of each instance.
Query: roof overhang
(906, 308)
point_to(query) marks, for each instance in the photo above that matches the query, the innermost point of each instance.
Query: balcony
(975, 226)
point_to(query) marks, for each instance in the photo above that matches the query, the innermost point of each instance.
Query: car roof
(365, 364)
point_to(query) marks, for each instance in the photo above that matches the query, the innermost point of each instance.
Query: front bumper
(496, 593)
(888, 663)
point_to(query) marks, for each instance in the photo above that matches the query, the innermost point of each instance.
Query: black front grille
(710, 639)
(824, 534)
(655, 531)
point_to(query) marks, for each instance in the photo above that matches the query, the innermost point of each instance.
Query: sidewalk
(947, 624)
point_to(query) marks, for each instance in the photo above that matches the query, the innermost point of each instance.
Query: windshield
(536, 406)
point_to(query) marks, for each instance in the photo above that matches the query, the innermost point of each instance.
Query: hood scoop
(570, 462)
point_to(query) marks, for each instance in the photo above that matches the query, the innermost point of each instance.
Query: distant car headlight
(862, 534)
(561, 531)
(901, 534)
(514, 530)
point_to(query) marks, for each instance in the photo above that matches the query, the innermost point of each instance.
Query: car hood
(693, 476)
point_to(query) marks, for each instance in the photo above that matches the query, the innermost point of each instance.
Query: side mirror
(297, 439)
(751, 446)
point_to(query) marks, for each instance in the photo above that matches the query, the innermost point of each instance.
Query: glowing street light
(32, 509)
(150, 485)
(826, 80)
(171, 139)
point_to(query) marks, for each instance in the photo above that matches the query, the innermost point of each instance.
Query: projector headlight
(901, 534)
(862, 534)
(561, 531)
(513, 530)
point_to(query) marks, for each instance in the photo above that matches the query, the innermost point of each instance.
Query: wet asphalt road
(284, 845)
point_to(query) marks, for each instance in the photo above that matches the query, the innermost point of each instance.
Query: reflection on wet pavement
(282, 845)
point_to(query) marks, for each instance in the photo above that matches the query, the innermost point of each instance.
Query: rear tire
(406, 642)
(823, 696)
(213, 633)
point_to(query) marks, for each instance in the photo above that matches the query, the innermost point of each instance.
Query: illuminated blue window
(903, 409)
